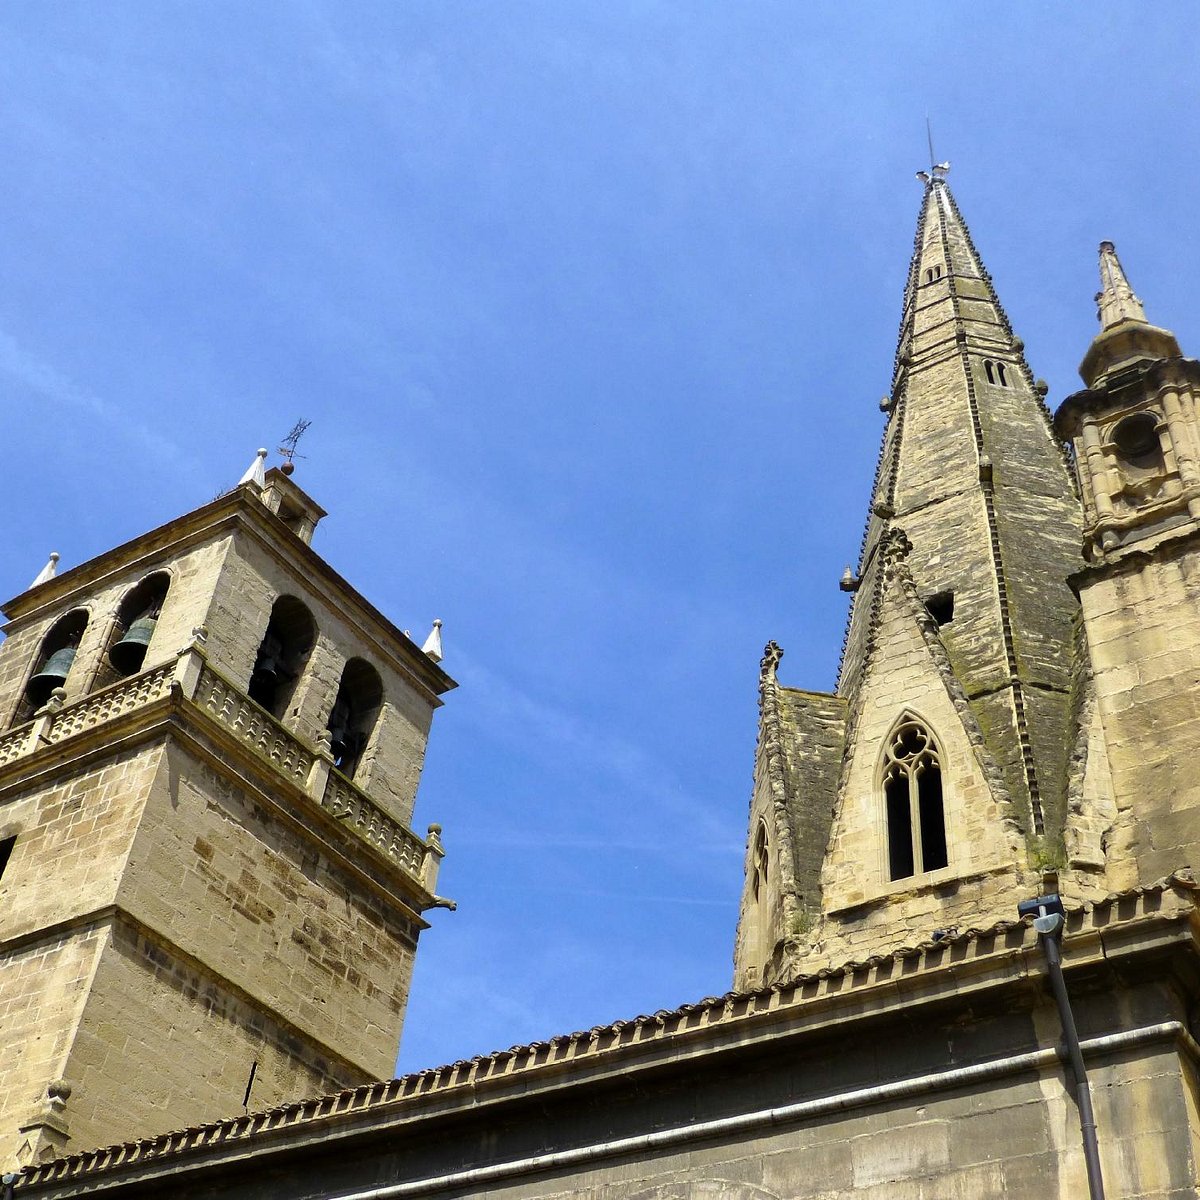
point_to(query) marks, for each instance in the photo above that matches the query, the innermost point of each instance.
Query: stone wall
(161, 1042)
(1144, 633)
(162, 927)
(271, 914)
(933, 1101)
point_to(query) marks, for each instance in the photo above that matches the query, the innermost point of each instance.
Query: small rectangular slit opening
(941, 608)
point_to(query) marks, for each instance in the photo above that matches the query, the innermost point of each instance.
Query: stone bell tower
(1136, 438)
(210, 895)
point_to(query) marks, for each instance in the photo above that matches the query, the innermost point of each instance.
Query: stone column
(1099, 476)
(1180, 436)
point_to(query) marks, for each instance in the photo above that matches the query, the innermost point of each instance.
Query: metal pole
(1048, 927)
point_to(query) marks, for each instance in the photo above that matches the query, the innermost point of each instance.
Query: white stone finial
(433, 643)
(48, 571)
(256, 472)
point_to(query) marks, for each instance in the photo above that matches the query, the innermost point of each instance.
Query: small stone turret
(1134, 426)
(1136, 438)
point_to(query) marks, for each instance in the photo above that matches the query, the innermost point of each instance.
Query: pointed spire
(49, 571)
(1125, 336)
(1115, 298)
(256, 472)
(949, 293)
(970, 469)
(433, 643)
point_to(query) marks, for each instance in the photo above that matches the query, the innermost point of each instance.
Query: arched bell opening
(282, 655)
(133, 628)
(53, 663)
(354, 713)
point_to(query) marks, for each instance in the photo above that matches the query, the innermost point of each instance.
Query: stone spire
(1115, 298)
(1125, 335)
(972, 473)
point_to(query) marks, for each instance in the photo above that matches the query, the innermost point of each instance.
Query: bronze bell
(129, 653)
(52, 675)
(345, 743)
(269, 671)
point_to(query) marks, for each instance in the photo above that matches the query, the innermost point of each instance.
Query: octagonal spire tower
(973, 474)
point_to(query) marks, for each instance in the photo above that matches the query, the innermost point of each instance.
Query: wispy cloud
(52, 385)
(504, 709)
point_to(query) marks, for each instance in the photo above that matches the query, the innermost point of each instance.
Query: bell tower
(210, 893)
(1136, 440)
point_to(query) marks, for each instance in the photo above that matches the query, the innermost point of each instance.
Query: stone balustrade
(14, 744)
(351, 806)
(253, 725)
(134, 692)
(57, 721)
(223, 702)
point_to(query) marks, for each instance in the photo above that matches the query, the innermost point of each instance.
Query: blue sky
(591, 307)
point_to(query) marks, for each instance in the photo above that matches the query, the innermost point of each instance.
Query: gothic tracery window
(912, 790)
(760, 864)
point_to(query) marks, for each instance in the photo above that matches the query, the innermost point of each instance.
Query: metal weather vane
(937, 170)
(288, 449)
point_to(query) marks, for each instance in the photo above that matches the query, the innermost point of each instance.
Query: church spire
(1125, 336)
(972, 474)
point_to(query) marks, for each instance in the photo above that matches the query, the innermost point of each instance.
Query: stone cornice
(1155, 374)
(1001, 959)
(1128, 560)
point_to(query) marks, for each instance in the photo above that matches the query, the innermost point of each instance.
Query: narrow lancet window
(6, 849)
(914, 808)
(759, 916)
(995, 372)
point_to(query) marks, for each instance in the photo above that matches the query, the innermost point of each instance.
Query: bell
(268, 672)
(52, 675)
(128, 654)
(344, 742)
